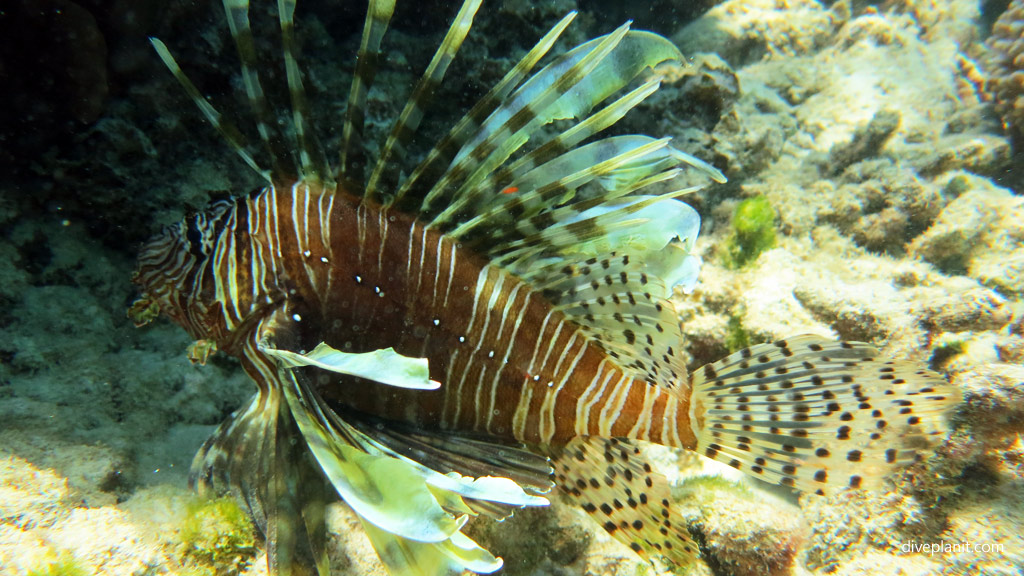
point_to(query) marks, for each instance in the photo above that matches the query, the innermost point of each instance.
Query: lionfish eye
(195, 238)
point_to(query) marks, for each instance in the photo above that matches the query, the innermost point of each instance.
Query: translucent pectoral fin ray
(384, 366)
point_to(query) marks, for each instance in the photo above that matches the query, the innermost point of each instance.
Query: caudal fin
(815, 414)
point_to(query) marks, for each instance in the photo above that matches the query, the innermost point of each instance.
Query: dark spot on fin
(635, 507)
(818, 415)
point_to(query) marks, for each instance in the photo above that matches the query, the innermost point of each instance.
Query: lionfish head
(168, 271)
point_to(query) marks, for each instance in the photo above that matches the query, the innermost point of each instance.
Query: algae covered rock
(981, 233)
(218, 536)
(994, 401)
(743, 31)
(742, 531)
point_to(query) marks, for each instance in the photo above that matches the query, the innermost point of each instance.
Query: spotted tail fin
(815, 414)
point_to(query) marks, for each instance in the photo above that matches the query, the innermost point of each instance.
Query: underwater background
(874, 156)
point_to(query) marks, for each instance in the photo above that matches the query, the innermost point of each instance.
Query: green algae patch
(946, 350)
(753, 232)
(737, 337)
(218, 537)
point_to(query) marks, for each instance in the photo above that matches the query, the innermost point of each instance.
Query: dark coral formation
(1006, 68)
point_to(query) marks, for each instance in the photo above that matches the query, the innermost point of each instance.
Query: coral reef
(741, 530)
(744, 32)
(980, 234)
(1006, 68)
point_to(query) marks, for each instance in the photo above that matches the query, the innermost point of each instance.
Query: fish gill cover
(893, 233)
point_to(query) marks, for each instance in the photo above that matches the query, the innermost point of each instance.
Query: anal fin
(614, 484)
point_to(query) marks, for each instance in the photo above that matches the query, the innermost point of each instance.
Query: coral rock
(980, 233)
(1006, 68)
(743, 532)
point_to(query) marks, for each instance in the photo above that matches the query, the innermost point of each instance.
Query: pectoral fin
(385, 366)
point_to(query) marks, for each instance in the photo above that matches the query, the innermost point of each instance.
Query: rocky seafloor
(864, 130)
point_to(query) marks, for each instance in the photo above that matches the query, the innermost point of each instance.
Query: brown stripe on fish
(468, 320)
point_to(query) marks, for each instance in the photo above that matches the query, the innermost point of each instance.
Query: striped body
(363, 278)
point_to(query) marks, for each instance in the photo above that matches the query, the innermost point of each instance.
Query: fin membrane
(612, 482)
(815, 414)
(444, 452)
(623, 309)
(412, 514)
(252, 457)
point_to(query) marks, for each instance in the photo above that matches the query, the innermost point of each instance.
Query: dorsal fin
(477, 199)
(437, 160)
(353, 158)
(237, 12)
(529, 107)
(555, 208)
(227, 130)
(623, 309)
(313, 164)
(385, 173)
(312, 161)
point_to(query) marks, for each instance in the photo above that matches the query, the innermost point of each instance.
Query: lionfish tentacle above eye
(353, 158)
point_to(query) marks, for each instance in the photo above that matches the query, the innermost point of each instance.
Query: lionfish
(457, 342)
